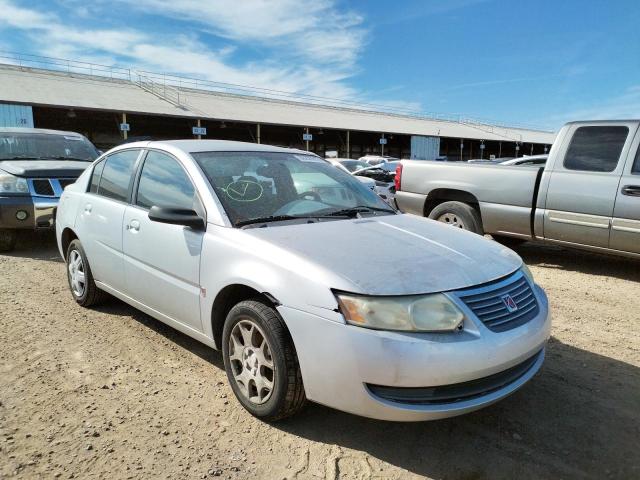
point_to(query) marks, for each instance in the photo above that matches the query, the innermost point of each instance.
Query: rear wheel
(261, 361)
(83, 288)
(7, 239)
(458, 215)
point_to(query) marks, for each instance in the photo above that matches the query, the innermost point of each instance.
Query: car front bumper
(40, 212)
(343, 365)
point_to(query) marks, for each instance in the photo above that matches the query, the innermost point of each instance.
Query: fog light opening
(22, 215)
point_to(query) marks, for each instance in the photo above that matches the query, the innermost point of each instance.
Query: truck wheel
(7, 240)
(83, 288)
(459, 215)
(261, 361)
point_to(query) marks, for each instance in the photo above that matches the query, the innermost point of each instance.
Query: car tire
(261, 361)
(458, 214)
(84, 292)
(7, 240)
(509, 242)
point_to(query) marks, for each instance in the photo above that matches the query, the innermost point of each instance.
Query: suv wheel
(261, 361)
(7, 240)
(83, 288)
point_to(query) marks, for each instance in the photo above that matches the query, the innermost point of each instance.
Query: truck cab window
(596, 149)
(636, 164)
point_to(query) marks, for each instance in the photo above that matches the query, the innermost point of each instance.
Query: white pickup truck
(586, 196)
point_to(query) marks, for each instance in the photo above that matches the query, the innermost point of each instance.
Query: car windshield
(353, 165)
(255, 186)
(42, 146)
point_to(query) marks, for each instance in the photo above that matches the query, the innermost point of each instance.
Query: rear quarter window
(596, 149)
(636, 164)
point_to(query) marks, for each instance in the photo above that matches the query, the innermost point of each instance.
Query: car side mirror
(177, 216)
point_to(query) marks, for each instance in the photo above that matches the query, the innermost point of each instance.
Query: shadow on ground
(591, 263)
(38, 245)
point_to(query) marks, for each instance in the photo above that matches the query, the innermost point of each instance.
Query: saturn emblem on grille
(509, 303)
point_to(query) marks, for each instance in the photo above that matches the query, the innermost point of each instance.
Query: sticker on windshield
(308, 158)
(244, 191)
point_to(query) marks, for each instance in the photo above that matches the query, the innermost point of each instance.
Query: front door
(625, 226)
(582, 187)
(162, 261)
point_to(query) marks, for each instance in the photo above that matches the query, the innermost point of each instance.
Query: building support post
(199, 137)
(348, 145)
(258, 132)
(461, 147)
(532, 149)
(499, 149)
(306, 130)
(125, 134)
(382, 147)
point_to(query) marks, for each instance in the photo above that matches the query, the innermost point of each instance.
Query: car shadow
(577, 418)
(555, 257)
(37, 245)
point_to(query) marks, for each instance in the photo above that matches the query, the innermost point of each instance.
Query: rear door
(584, 182)
(162, 261)
(625, 226)
(100, 219)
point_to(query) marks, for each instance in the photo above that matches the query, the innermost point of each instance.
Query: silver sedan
(258, 251)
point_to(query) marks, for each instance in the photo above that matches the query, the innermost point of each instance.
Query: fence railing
(175, 89)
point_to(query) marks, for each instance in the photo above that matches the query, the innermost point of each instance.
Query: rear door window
(117, 175)
(596, 149)
(164, 183)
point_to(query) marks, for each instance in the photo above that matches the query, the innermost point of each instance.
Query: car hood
(44, 168)
(395, 254)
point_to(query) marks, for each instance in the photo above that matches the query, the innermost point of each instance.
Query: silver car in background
(258, 251)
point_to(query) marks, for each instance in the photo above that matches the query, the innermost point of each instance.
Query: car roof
(45, 131)
(194, 146)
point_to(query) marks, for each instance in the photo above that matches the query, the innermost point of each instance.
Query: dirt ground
(112, 393)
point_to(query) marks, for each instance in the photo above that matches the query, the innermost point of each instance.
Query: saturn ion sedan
(265, 253)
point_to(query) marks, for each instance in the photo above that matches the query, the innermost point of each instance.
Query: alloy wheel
(251, 362)
(76, 273)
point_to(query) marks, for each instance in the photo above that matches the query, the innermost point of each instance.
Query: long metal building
(111, 105)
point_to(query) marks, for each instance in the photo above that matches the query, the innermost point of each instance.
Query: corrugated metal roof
(43, 87)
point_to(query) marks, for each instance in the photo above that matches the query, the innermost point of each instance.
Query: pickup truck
(586, 196)
(35, 167)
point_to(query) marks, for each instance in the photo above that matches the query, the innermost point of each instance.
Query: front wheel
(261, 361)
(458, 215)
(7, 240)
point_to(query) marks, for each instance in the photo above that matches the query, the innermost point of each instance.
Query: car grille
(49, 187)
(64, 182)
(456, 392)
(489, 303)
(43, 187)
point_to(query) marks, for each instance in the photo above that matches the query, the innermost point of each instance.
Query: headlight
(414, 313)
(527, 273)
(12, 184)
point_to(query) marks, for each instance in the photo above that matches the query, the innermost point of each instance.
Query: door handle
(134, 226)
(631, 190)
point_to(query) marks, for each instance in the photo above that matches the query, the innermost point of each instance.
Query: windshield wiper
(62, 157)
(270, 218)
(354, 211)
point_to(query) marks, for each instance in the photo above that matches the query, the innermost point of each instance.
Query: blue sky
(527, 62)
